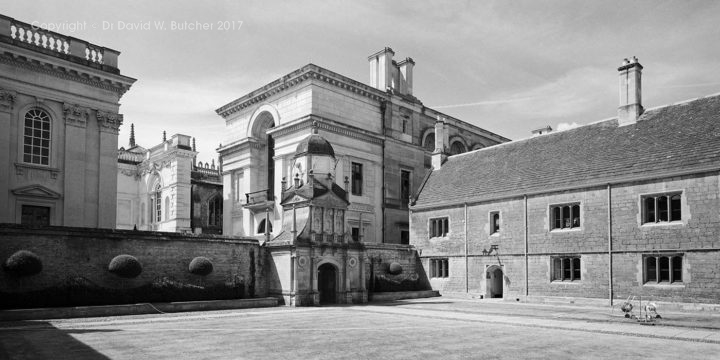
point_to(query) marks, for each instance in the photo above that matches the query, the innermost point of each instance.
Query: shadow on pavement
(42, 340)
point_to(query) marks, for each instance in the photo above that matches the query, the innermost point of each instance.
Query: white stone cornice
(308, 72)
(33, 61)
(75, 115)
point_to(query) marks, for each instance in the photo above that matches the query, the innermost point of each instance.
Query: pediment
(330, 200)
(36, 191)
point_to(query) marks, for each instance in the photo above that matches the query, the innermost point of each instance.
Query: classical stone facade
(164, 188)
(382, 134)
(618, 208)
(59, 101)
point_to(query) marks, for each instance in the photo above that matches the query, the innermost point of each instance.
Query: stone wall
(73, 256)
(695, 238)
(379, 277)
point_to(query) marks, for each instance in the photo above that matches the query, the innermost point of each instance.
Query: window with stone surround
(494, 222)
(356, 179)
(565, 268)
(439, 227)
(661, 208)
(565, 216)
(36, 138)
(355, 233)
(215, 211)
(404, 188)
(439, 268)
(662, 269)
(156, 205)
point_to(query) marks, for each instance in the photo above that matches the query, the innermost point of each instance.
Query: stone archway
(494, 283)
(327, 283)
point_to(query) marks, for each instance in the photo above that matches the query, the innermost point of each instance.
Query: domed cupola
(314, 145)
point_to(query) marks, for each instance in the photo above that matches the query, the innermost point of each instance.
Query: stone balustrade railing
(128, 156)
(60, 45)
(207, 171)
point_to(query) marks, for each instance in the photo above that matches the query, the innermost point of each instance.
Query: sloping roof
(312, 191)
(670, 139)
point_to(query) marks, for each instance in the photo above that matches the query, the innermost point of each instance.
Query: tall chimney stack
(630, 107)
(381, 69)
(406, 72)
(439, 155)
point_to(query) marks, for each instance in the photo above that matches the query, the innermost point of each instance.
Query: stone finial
(194, 145)
(164, 136)
(132, 135)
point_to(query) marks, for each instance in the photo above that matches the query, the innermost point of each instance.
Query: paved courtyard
(430, 329)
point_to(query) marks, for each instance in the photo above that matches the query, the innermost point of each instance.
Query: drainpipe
(467, 284)
(383, 108)
(609, 235)
(527, 292)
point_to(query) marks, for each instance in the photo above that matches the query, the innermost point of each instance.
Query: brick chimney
(630, 92)
(439, 155)
(381, 69)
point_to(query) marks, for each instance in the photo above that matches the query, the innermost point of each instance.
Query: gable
(36, 191)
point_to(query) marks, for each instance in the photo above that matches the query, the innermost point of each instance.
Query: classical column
(76, 118)
(108, 126)
(7, 101)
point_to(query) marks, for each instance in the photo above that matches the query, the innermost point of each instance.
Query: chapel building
(165, 188)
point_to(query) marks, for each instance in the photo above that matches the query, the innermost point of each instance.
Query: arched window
(156, 205)
(36, 139)
(215, 211)
(457, 148)
(261, 227)
(429, 143)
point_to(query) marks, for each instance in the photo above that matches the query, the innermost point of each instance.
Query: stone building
(621, 207)
(59, 102)
(382, 135)
(164, 188)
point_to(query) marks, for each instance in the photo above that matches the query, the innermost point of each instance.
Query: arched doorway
(327, 283)
(494, 282)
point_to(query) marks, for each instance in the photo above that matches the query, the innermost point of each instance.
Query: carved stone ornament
(76, 115)
(302, 261)
(7, 99)
(109, 121)
(352, 262)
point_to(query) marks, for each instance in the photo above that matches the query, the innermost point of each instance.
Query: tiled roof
(670, 139)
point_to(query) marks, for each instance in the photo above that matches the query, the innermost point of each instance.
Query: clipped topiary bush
(395, 269)
(201, 266)
(126, 266)
(23, 263)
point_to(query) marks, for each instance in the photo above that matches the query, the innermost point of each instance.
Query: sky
(506, 66)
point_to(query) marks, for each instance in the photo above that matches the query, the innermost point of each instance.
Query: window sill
(665, 285)
(576, 282)
(662, 224)
(439, 237)
(566, 230)
(495, 234)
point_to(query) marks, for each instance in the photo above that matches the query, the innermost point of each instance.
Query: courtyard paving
(426, 328)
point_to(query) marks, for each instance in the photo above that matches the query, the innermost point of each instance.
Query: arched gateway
(327, 283)
(494, 282)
